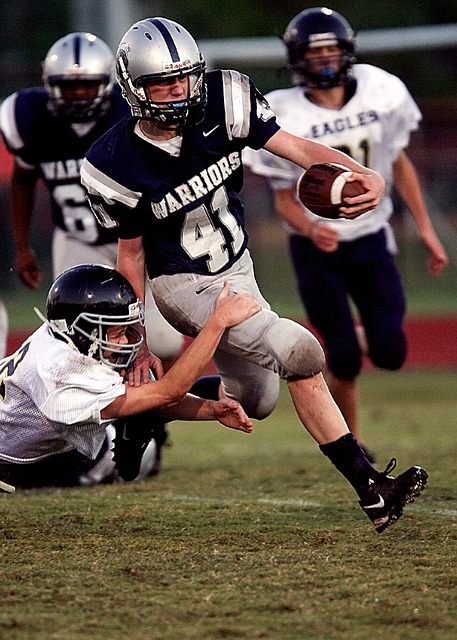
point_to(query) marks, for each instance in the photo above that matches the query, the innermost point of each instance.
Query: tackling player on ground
(65, 385)
(169, 178)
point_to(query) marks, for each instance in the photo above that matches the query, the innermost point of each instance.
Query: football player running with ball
(368, 114)
(169, 178)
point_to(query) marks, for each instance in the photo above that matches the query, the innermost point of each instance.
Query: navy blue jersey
(48, 143)
(186, 208)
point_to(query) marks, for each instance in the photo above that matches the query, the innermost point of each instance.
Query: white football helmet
(157, 48)
(79, 58)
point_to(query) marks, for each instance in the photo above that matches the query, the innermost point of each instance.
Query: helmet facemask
(89, 332)
(79, 60)
(177, 114)
(79, 109)
(323, 72)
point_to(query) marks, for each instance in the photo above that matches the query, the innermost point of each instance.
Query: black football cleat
(135, 449)
(385, 498)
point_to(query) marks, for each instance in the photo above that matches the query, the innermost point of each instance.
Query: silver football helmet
(79, 59)
(155, 49)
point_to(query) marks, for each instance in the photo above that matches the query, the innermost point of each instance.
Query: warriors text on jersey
(55, 148)
(186, 207)
(372, 127)
(51, 396)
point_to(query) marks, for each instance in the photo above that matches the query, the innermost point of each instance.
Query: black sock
(206, 387)
(349, 458)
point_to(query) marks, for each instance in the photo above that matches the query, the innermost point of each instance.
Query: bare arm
(304, 153)
(407, 184)
(22, 197)
(228, 412)
(131, 263)
(173, 386)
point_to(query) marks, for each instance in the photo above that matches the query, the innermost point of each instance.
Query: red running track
(432, 342)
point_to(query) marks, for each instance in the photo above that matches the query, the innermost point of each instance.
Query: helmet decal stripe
(168, 39)
(77, 50)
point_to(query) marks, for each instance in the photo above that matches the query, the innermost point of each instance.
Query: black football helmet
(319, 27)
(84, 301)
(79, 59)
(157, 49)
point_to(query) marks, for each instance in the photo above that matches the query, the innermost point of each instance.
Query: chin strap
(55, 329)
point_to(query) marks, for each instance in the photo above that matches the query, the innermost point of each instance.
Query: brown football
(323, 187)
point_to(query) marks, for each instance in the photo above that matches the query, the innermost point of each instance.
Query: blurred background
(414, 39)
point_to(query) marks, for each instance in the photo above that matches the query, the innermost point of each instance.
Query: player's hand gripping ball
(323, 187)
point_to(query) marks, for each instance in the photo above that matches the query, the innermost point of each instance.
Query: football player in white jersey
(49, 129)
(65, 384)
(169, 179)
(368, 114)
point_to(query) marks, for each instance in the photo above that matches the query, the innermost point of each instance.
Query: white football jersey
(373, 127)
(51, 396)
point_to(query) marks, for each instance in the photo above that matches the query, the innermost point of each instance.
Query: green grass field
(246, 536)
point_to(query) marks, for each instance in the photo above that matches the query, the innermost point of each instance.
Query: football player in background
(169, 178)
(368, 114)
(65, 384)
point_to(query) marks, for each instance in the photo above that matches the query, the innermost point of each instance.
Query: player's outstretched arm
(227, 411)
(229, 311)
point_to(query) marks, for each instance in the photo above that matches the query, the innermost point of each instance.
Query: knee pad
(296, 350)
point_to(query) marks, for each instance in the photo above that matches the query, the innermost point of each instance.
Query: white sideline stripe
(290, 502)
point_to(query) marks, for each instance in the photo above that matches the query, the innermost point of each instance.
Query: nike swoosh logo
(378, 505)
(208, 133)
(198, 291)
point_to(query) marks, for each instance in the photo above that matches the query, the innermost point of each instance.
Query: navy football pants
(364, 272)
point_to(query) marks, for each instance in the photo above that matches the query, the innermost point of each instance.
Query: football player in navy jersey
(168, 179)
(369, 114)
